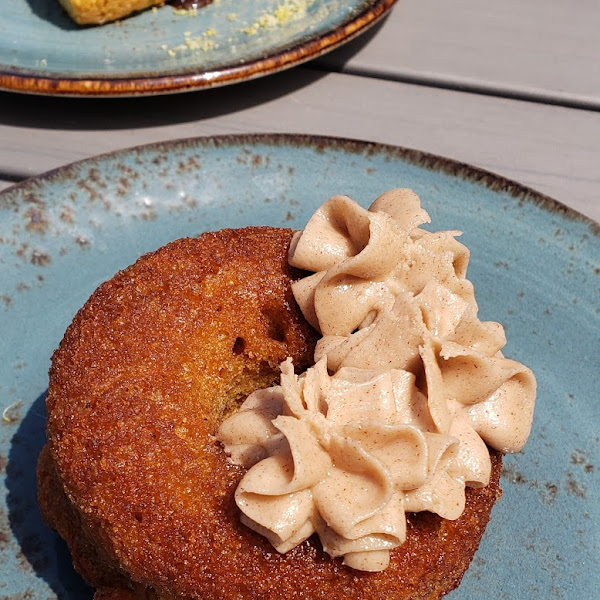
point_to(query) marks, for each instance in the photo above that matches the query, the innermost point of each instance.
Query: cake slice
(97, 12)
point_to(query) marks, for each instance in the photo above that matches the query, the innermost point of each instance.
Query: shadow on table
(153, 111)
(40, 552)
(337, 59)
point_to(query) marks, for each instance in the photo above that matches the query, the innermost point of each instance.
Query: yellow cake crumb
(185, 12)
(282, 14)
(201, 43)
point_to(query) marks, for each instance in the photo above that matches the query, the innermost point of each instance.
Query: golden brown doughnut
(132, 476)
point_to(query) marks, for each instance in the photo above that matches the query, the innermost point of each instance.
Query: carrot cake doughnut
(202, 445)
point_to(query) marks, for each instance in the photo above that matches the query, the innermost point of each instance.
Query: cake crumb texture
(97, 12)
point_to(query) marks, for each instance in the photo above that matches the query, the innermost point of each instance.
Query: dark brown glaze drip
(189, 4)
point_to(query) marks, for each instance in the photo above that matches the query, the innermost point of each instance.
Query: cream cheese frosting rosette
(408, 389)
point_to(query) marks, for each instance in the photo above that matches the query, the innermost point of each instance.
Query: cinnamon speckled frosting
(408, 388)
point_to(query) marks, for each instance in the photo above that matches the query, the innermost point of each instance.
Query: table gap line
(464, 85)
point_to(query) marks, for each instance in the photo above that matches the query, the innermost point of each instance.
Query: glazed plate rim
(192, 76)
(421, 158)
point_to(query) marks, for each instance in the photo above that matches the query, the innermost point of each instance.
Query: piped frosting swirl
(408, 388)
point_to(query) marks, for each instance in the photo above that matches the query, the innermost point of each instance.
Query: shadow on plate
(39, 550)
(52, 12)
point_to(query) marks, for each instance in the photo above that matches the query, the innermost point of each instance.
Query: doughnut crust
(132, 476)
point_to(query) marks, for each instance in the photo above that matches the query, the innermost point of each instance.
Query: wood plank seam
(470, 86)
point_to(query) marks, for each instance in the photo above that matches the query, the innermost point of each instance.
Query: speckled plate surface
(534, 263)
(159, 51)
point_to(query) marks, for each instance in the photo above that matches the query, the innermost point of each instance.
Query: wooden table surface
(513, 88)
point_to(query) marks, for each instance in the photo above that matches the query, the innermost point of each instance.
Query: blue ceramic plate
(535, 266)
(162, 50)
